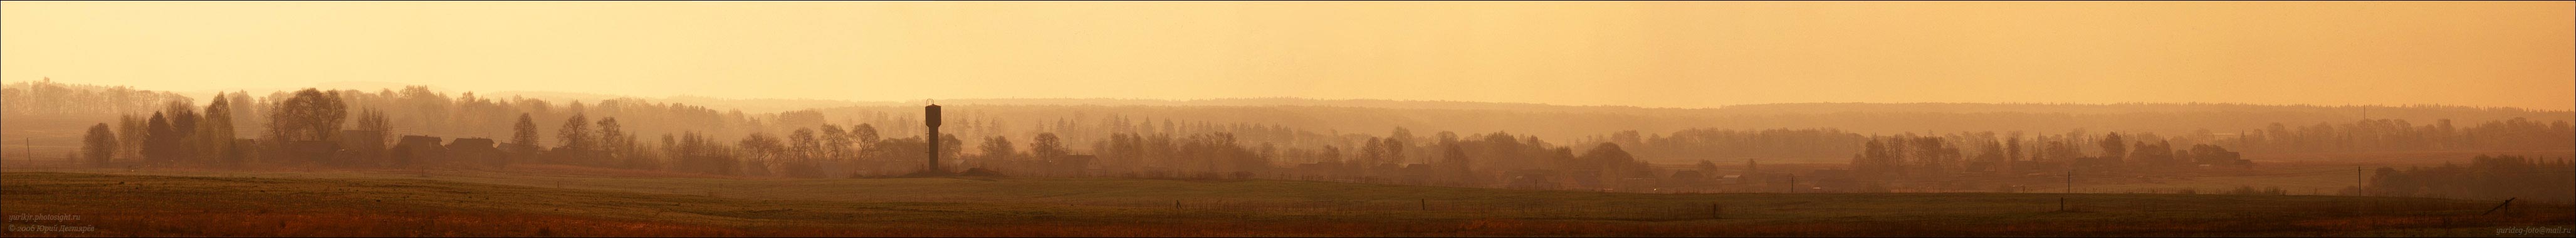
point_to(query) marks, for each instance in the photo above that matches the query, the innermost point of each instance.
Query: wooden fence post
(1716, 211)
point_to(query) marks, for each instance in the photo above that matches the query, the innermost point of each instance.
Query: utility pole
(2360, 182)
(1793, 183)
(2070, 180)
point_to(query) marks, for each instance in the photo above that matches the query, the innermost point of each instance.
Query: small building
(1417, 174)
(1584, 178)
(1835, 180)
(475, 152)
(417, 151)
(318, 152)
(1690, 180)
(1531, 179)
(1076, 165)
(1688, 176)
(367, 147)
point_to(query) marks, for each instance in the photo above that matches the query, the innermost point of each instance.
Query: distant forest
(1498, 145)
(1825, 130)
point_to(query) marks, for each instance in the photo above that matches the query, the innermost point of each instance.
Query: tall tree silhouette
(310, 115)
(1373, 152)
(760, 150)
(579, 144)
(161, 141)
(1455, 165)
(371, 119)
(183, 129)
(2012, 154)
(802, 146)
(1614, 163)
(215, 133)
(183, 118)
(2113, 148)
(836, 142)
(1395, 149)
(523, 139)
(130, 129)
(995, 149)
(865, 134)
(1046, 147)
(240, 112)
(1400, 138)
(98, 145)
(616, 145)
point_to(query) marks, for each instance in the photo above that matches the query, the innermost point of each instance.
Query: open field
(2304, 180)
(608, 203)
(2396, 158)
(47, 137)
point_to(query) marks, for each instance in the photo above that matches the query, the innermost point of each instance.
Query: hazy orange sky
(1656, 54)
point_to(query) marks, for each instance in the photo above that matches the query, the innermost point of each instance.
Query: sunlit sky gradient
(1655, 54)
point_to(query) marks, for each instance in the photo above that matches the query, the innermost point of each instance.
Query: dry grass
(556, 169)
(394, 204)
(2392, 158)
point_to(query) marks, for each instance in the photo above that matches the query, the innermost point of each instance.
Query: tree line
(2400, 135)
(419, 110)
(349, 128)
(49, 98)
(2485, 177)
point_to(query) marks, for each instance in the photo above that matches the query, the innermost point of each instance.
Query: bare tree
(1046, 147)
(310, 115)
(523, 138)
(616, 145)
(760, 150)
(996, 149)
(836, 143)
(865, 134)
(578, 142)
(130, 129)
(802, 146)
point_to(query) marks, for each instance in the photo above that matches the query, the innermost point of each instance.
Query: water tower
(932, 119)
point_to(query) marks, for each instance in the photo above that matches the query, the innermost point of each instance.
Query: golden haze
(1657, 54)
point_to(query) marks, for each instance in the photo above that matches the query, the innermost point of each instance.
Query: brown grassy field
(2395, 158)
(607, 203)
